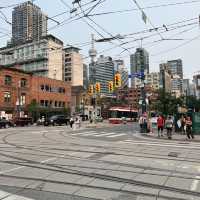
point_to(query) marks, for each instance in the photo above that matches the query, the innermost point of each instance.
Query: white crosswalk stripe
(99, 134)
(84, 133)
(118, 135)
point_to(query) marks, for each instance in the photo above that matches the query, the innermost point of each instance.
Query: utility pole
(143, 92)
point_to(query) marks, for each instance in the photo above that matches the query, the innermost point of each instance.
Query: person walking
(71, 122)
(183, 125)
(141, 123)
(169, 127)
(160, 125)
(188, 124)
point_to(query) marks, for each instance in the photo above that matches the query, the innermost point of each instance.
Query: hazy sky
(78, 31)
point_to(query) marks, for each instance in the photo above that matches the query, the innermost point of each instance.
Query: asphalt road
(110, 163)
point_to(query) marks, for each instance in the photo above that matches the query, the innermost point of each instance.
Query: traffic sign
(136, 75)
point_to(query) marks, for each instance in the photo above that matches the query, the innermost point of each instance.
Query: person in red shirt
(160, 125)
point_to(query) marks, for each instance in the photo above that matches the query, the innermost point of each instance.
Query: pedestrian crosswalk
(99, 134)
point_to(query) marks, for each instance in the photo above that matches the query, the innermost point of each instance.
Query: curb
(183, 139)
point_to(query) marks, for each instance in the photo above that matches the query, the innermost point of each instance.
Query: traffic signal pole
(143, 94)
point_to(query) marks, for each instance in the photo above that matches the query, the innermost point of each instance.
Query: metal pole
(143, 94)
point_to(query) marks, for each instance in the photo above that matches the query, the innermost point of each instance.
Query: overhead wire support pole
(142, 11)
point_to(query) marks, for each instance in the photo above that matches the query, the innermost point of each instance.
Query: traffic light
(117, 80)
(98, 87)
(110, 86)
(91, 91)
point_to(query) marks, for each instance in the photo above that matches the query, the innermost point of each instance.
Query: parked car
(56, 120)
(23, 121)
(5, 123)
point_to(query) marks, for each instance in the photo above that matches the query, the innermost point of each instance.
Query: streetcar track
(138, 183)
(94, 175)
(111, 162)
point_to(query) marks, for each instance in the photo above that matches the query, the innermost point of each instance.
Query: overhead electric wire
(144, 8)
(98, 3)
(70, 19)
(178, 46)
(160, 27)
(136, 3)
(96, 25)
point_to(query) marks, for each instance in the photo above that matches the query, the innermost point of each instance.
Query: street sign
(136, 75)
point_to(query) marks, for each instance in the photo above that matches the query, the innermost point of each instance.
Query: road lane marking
(116, 135)
(195, 183)
(83, 133)
(41, 162)
(10, 196)
(10, 170)
(106, 134)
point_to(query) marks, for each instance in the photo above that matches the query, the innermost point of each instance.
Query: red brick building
(19, 89)
(132, 95)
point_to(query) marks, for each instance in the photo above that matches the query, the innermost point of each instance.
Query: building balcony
(25, 61)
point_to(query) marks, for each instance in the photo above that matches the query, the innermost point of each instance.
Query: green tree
(33, 109)
(166, 103)
(193, 103)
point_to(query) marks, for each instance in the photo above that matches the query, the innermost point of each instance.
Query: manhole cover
(173, 154)
(97, 156)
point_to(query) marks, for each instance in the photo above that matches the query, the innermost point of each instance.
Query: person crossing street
(160, 125)
(188, 124)
(169, 127)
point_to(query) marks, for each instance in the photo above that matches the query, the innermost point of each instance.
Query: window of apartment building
(42, 103)
(59, 104)
(68, 60)
(47, 88)
(55, 104)
(42, 87)
(68, 65)
(46, 103)
(63, 104)
(7, 97)
(61, 90)
(8, 80)
(23, 99)
(23, 82)
(68, 79)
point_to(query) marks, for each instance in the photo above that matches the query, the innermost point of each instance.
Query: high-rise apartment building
(73, 66)
(119, 66)
(139, 61)
(103, 73)
(42, 58)
(186, 87)
(28, 23)
(176, 67)
(165, 78)
(177, 85)
(196, 81)
(151, 79)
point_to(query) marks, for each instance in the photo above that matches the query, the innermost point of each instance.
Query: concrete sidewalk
(175, 136)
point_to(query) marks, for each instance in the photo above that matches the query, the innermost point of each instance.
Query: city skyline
(188, 53)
